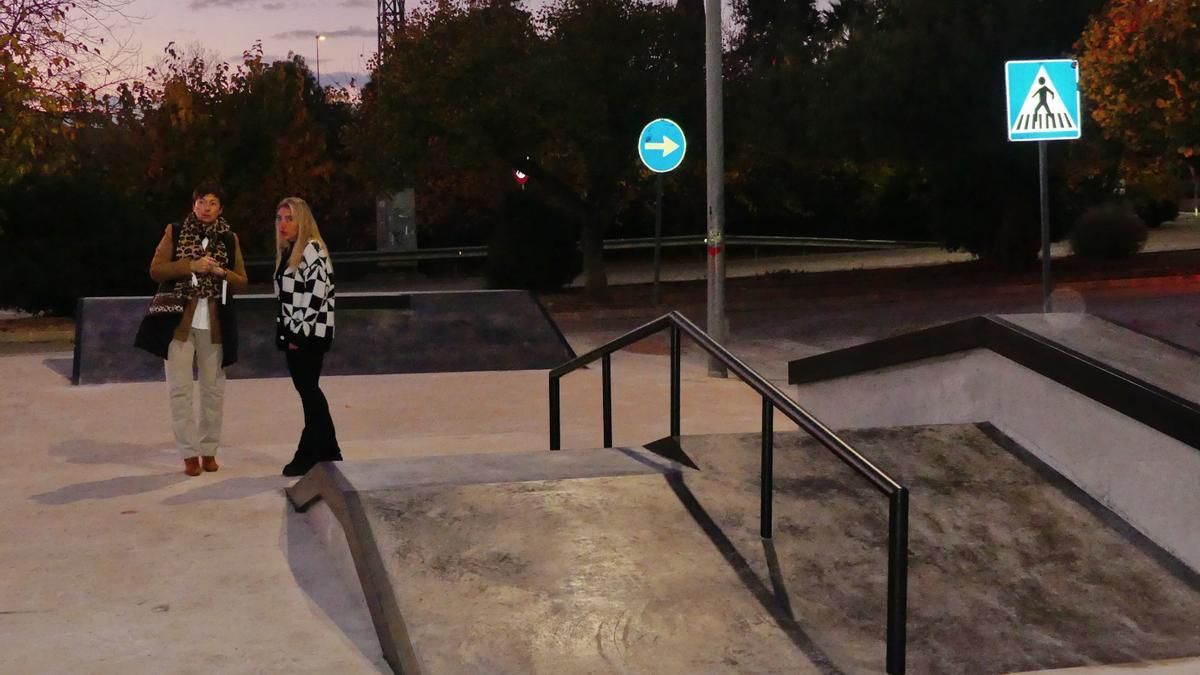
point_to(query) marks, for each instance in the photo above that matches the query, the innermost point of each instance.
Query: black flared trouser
(318, 441)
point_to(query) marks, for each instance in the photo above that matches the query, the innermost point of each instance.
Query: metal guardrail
(772, 399)
(454, 253)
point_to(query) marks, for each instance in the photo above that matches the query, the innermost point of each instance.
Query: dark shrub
(1107, 232)
(1155, 212)
(1154, 194)
(69, 237)
(532, 246)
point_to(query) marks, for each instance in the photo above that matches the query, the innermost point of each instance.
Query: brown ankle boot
(191, 466)
(210, 463)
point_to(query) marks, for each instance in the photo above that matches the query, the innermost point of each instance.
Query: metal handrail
(772, 399)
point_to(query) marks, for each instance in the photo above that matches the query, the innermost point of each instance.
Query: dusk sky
(227, 27)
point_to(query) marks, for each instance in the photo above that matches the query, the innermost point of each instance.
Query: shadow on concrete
(88, 451)
(232, 488)
(669, 448)
(773, 599)
(62, 365)
(109, 488)
(314, 570)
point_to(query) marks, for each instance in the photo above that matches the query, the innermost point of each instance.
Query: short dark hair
(208, 187)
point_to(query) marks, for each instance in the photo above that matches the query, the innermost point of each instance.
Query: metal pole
(715, 173)
(555, 440)
(897, 598)
(318, 40)
(1195, 191)
(606, 371)
(1043, 179)
(658, 194)
(767, 483)
(675, 365)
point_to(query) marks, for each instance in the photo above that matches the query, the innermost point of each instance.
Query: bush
(1107, 232)
(69, 237)
(532, 247)
(1155, 212)
(1154, 194)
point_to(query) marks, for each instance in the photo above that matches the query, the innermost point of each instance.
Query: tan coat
(163, 269)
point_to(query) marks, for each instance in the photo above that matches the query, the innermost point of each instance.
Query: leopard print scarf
(189, 245)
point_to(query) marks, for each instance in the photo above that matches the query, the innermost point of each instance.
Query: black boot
(300, 464)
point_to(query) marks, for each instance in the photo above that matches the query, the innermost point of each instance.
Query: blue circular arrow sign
(661, 145)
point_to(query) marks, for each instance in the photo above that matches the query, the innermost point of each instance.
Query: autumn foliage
(1140, 70)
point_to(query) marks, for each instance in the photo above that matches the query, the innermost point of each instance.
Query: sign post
(661, 146)
(1043, 105)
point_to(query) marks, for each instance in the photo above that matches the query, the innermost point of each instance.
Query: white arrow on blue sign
(1043, 100)
(661, 145)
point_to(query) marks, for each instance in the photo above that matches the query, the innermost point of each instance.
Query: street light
(319, 38)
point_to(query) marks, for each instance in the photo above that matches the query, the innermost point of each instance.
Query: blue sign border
(1014, 107)
(682, 146)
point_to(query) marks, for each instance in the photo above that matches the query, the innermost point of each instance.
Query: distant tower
(391, 21)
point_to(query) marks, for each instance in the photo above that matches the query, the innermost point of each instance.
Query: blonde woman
(304, 326)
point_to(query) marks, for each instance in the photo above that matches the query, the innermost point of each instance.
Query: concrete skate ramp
(376, 333)
(1115, 411)
(1141, 377)
(662, 571)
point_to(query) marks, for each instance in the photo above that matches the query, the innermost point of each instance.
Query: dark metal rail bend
(772, 399)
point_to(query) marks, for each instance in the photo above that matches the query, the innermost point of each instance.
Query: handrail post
(606, 379)
(675, 366)
(555, 439)
(767, 483)
(897, 600)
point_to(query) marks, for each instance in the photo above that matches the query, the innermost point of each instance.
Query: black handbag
(163, 315)
(157, 328)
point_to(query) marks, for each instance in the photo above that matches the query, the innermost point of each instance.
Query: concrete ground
(116, 562)
(125, 565)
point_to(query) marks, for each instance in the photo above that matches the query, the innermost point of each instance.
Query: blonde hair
(307, 232)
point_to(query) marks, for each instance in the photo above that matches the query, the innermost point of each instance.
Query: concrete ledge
(1131, 373)
(326, 482)
(1142, 474)
(376, 333)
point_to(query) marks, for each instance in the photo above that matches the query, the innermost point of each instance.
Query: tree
(54, 56)
(480, 86)
(264, 130)
(785, 176)
(919, 83)
(1139, 65)
(446, 107)
(611, 66)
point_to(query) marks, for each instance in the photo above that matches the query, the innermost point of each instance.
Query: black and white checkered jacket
(306, 301)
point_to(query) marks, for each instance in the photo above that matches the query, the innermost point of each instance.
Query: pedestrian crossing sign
(1043, 100)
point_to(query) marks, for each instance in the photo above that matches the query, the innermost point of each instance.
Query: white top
(200, 318)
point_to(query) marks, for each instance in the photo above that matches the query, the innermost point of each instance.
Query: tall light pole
(715, 174)
(319, 39)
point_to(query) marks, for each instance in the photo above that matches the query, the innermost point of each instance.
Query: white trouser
(193, 440)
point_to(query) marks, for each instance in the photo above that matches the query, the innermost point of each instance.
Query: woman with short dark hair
(304, 326)
(200, 260)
